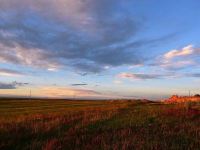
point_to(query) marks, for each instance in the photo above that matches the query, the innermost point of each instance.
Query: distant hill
(181, 99)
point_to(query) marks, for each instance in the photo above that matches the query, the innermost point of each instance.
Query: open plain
(120, 124)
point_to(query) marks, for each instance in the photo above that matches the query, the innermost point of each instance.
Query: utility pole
(30, 95)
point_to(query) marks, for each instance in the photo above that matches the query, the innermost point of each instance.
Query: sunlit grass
(59, 124)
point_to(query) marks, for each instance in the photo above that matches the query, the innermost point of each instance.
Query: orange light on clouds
(50, 91)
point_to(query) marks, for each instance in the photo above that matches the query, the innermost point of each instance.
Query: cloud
(139, 76)
(117, 82)
(179, 64)
(83, 74)
(79, 84)
(186, 57)
(148, 76)
(186, 51)
(67, 92)
(194, 75)
(8, 72)
(7, 86)
(19, 83)
(17, 54)
(86, 35)
(13, 85)
(72, 34)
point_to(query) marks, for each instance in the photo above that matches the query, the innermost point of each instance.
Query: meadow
(90, 125)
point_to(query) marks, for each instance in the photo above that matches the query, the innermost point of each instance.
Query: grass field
(90, 125)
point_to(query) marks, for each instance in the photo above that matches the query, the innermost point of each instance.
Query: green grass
(60, 124)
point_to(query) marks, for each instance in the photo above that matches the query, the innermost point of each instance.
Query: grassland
(61, 124)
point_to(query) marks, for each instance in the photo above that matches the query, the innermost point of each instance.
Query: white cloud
(27, 56)
(178, 59)
(188, 50)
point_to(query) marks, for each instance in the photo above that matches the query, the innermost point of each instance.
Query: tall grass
(50, 125)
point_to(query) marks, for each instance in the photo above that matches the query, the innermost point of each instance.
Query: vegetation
(197, 95)
(60, 124)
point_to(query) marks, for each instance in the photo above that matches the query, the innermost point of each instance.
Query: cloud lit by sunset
(97, 48)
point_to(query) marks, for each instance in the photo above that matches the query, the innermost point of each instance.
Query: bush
(197, 95)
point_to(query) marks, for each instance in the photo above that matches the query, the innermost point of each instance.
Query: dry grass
(50, 125)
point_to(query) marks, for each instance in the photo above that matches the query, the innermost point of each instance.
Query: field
(90, 125)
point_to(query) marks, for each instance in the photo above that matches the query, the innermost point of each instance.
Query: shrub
(197, 95)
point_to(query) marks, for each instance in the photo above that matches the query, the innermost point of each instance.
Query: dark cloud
(13, 85)
(85, 35)
(83, 74)
(195, 75)
(19, 83)
(146, 76)
(79, 84)
(7, 86)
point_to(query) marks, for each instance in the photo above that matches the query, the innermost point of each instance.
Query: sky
(99, 48)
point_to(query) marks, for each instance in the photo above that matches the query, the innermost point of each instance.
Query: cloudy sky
(99, 48)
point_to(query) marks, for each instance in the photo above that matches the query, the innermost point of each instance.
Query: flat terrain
(62, 124)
